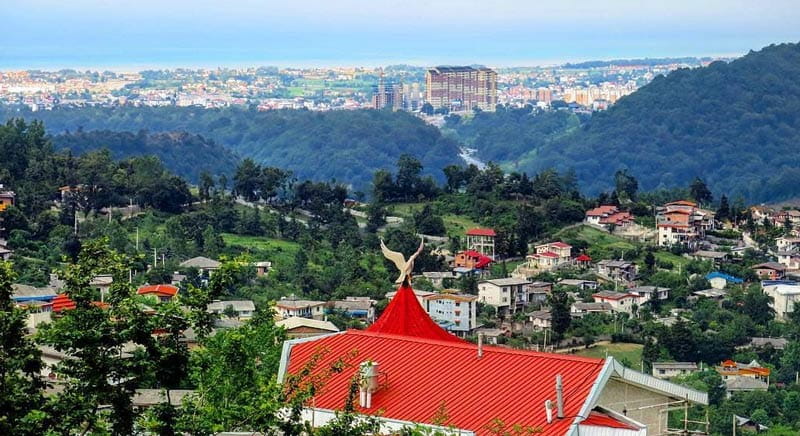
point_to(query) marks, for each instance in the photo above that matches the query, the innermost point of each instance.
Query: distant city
(583, 87)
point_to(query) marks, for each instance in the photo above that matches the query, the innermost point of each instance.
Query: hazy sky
(118, 33)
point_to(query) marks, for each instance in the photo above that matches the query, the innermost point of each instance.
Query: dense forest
(347, 146)
(510, 135)
(181, 152)
(735, 124)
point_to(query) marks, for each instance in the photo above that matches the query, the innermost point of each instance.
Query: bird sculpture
(405, 266)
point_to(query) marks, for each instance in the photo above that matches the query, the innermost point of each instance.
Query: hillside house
(262, 268)
(244, 309)
(616, 270)
(665, 370)
(784, 299)
(609, 216)
(204, 265)
(682, 222)
(578, 283)
(789, 259)
(580, 309)
(437, 278)
(619, 301)
(7, 198)
(770, 271)
(362, 308)
(787, 243)
(290, 306)
(163, 293)
(740, 377)
(541, 319)
(649, 293)
(549, 256)
(471, 260)
(300, 327)
(481, 240)
(507, 295)
(720, 280)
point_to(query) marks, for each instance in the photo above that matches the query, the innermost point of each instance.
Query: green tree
(700, 192)
(21, 387)
(559, 303)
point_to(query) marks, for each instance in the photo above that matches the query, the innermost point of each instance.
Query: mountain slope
(182, 153)
(736, 125)
(344, 145)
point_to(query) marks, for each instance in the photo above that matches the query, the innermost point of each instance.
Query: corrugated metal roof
(423, 374)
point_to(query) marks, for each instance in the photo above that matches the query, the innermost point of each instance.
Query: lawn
(404, 210)
(630, 353)
(278, 251)
(457, 225)
(678, 261)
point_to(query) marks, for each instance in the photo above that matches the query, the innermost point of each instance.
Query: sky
(129, 34)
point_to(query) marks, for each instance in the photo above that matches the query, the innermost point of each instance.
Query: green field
(456, 225)
(631, 353)
(404, 210)
(278, 251)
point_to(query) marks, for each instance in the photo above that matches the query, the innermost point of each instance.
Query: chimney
(548, 409)
(559, 396)
(480, 345)
(368, 382)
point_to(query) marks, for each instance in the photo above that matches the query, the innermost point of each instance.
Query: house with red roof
(619, 301)
(549, 256)
(481, 240)
(163, 293)
(471, 260)
(407, 368)
(682, 222)
(608, 216)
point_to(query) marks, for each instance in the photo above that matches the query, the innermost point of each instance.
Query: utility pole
(137, 239)
(155, 258)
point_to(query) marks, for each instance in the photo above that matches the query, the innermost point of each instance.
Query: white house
(579, 309)
(244, 308)
(784, 298)
(290, 306)
(673, 369)
(506, 295)
(619, 301)
(541, 319)
(649, 293)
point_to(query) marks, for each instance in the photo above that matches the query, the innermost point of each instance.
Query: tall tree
(21, 385)
(559, 303)
(700, 192)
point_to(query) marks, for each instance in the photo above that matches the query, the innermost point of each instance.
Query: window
(662, 372)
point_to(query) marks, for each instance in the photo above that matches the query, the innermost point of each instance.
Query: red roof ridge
(470, 345)
(405, 316)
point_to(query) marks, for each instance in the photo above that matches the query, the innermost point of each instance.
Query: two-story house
(506, 295)
(649, 293)
(292, 306)
(481, 240)
(616, 270)
(619, 301)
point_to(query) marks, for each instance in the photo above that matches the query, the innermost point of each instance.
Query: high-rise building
(461, 88)
(387, 94)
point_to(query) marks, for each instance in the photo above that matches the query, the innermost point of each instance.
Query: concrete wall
(625, 398)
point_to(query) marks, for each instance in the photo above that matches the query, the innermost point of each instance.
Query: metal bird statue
(405, 266)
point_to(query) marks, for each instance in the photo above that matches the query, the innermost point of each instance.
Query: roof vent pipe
(560, 396)
(480, 345)
(548, 408)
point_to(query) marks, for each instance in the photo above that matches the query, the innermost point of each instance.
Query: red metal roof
(423, 374)
(481, 232)
(546, 254)
(62, 302)
(602, 210)
(602, 420)
(583, 258)
(404, 316)
(560, 244)
(159, 290)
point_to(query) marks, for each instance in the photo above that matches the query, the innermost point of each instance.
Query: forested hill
(736, 125)
(182, 153)
(344, 145)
